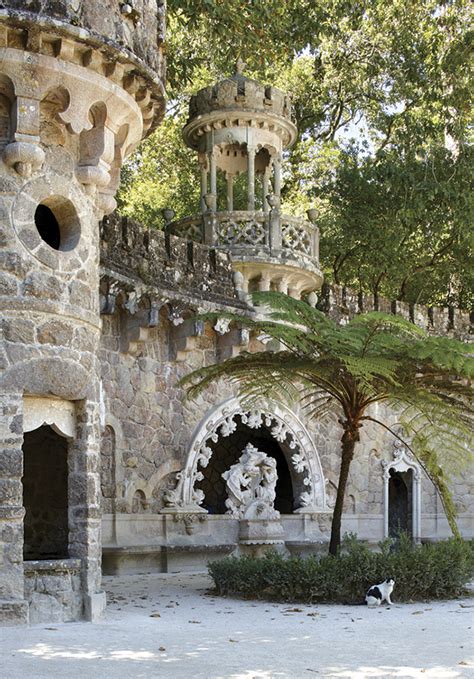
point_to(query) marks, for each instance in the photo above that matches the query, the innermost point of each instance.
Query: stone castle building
(103, 461)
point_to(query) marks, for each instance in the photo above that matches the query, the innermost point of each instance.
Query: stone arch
(55, 376)
(283, 425)
(148, 486)
(402, 463)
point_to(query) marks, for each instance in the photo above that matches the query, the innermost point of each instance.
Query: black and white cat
(378, 593)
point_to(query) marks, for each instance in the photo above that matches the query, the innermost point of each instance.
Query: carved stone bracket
(190, 521)
(25, 154)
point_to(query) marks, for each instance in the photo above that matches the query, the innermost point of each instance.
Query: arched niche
(399, 470)
(284, 427)
(227, 452)
(108, 482)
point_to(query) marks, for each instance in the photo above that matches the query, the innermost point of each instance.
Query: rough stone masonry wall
(80, 85)
(164, 266)
(149, 424)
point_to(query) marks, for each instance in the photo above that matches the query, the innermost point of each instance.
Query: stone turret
(240, 127)
(81, 83)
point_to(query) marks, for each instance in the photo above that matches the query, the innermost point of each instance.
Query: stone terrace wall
(170, 264)
(140, 31)
(342, 304)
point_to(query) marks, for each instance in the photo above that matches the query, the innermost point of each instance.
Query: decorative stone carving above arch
(58, 413)
(283, 425)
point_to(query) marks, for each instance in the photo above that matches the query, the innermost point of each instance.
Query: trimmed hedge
(433, 571)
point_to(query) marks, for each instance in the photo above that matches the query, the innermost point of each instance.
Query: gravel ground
(168, 625)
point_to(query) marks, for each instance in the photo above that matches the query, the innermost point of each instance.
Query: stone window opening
(57, 223)
(45, 495)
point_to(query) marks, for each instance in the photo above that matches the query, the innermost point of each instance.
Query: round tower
(240, 130)
(81, 83)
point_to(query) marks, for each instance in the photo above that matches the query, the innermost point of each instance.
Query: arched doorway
(399, 502)
(45, 494)
(226, 451)
(402, 494)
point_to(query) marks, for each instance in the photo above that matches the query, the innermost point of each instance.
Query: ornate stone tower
(241, 128)
(81, 83)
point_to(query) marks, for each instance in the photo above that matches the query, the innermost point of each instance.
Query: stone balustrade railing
(247, 232)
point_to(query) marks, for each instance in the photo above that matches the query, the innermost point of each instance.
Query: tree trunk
(348, 440)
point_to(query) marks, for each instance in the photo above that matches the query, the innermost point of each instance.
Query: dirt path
(168, 626)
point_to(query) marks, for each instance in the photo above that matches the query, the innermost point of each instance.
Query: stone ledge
(134, 559)
(52, 566)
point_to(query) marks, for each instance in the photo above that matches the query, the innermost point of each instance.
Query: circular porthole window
(57, 223)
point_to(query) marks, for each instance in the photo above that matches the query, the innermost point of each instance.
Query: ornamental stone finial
(240, 66)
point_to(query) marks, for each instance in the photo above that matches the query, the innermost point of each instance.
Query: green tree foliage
(381, 95)
(376, 358)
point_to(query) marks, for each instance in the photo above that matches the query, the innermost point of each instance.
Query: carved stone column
(230, 191)
(251, 178)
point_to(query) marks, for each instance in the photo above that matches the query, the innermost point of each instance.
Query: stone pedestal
(261, 532)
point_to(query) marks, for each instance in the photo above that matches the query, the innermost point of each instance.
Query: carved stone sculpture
(251, 486)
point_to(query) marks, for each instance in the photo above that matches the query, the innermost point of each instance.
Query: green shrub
(432, 571)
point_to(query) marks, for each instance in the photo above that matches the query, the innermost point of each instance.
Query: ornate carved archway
(283, 425)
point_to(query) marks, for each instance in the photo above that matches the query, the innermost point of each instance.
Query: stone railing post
(313, 214)
(274, 225)
(250, 178)
(209, 220)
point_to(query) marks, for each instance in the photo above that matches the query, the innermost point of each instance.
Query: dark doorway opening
(400, 502)
(226, 452)
(45, 494)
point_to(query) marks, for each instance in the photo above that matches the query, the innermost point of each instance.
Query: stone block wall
(53, 590)
(80, 86)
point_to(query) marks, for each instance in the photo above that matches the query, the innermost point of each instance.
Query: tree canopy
(381, 97)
